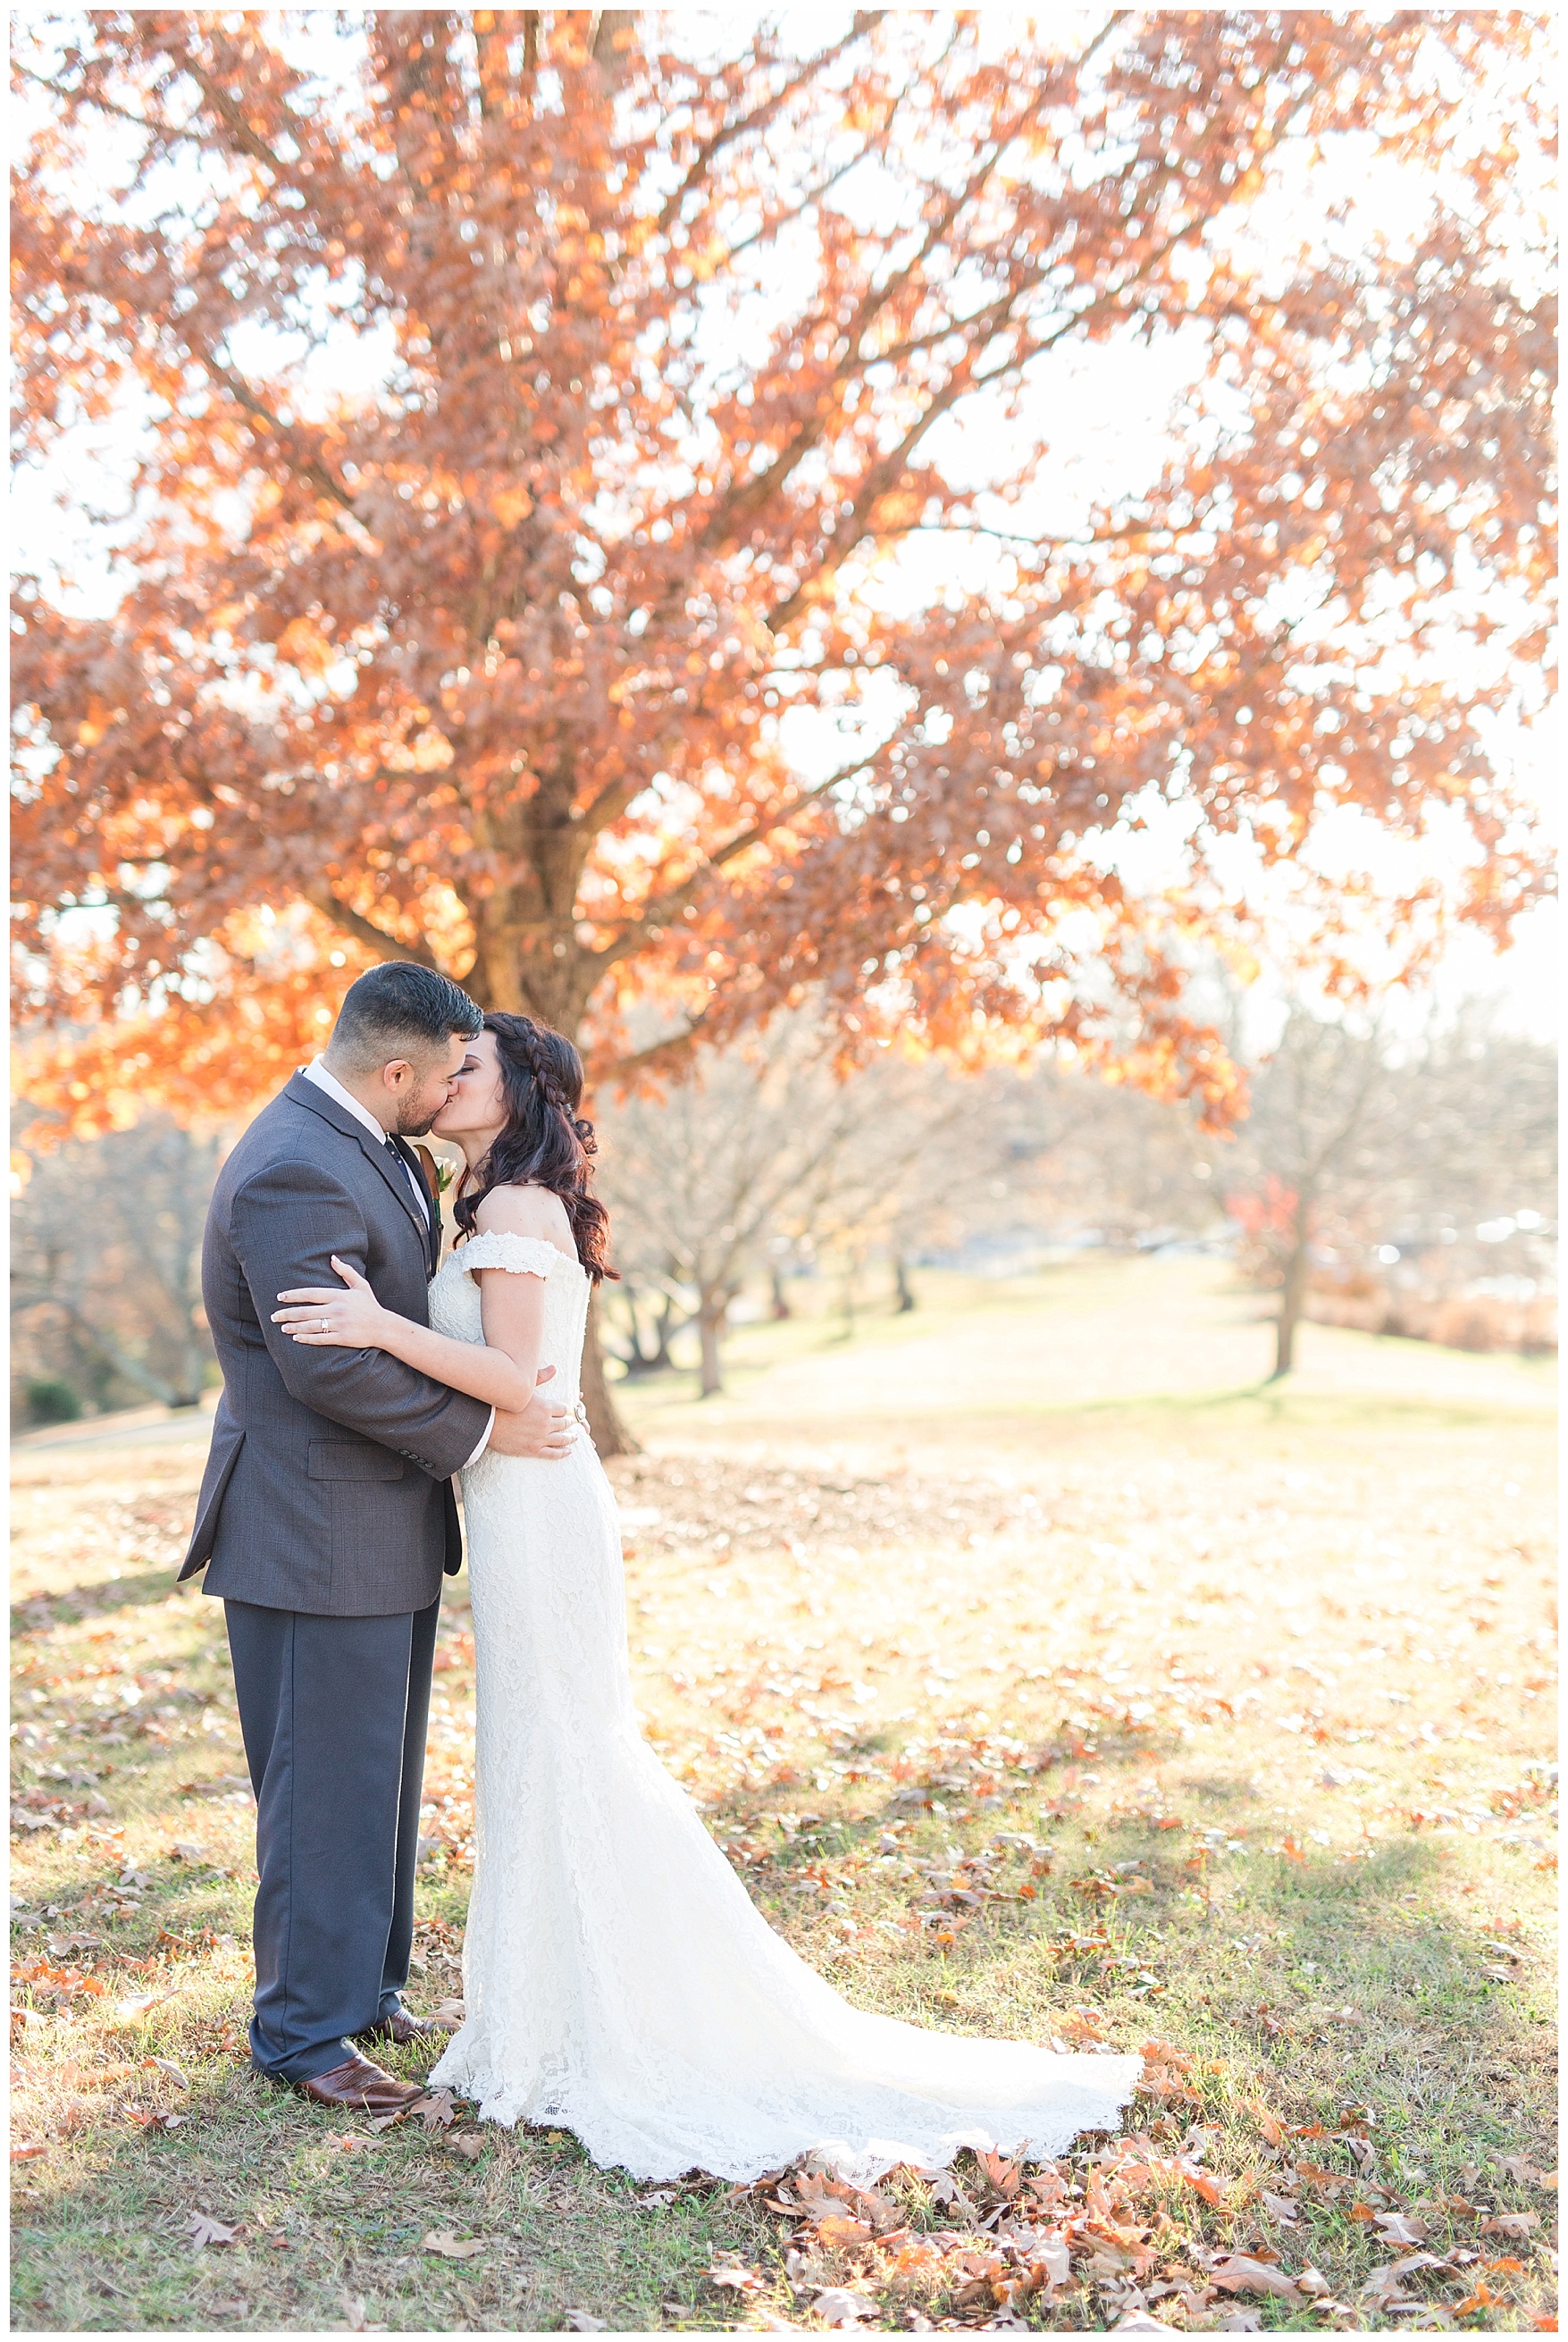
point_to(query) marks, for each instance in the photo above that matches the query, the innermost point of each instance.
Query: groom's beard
(414, 1122)
(416, 1114)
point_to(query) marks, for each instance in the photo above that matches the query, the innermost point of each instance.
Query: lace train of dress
(619, 1980)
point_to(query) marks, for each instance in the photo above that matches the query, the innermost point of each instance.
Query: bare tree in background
(766, 1152)
(1354, 1134)
(762, 1141)
(1058, 1148)
(106, 1241)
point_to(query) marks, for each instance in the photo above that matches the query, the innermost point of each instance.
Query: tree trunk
(610, 1435)
(645, 1359)
(112, 1358)
(904, 1289)
(1293, 1300)
(192, 1370)
(710, 1324)
(781, 1308)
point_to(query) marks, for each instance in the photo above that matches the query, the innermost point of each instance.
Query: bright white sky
(1104, 414)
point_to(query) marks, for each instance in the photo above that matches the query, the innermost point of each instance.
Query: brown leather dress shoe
(363, 2085)
(402, 2027)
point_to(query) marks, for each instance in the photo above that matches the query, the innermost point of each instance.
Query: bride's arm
(501, 1369)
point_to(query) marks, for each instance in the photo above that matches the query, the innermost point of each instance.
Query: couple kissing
(618, 1980)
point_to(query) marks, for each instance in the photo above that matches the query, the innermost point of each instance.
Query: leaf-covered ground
(1197, 1720)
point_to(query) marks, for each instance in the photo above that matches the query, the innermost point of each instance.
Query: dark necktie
(396, 1151)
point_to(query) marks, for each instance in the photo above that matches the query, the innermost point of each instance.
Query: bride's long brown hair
(546, 1142)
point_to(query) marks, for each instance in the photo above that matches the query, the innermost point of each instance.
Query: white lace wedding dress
(619, 1980)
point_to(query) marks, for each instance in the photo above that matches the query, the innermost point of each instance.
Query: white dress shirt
(317, 1072)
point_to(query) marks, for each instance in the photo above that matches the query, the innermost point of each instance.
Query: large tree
(691, 390)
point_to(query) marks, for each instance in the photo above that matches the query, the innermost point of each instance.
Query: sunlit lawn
(1049, 1676)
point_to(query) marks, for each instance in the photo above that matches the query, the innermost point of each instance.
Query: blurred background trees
(1398, 1177)
(105, 1289)
(762, 1157)
(1410, 1179)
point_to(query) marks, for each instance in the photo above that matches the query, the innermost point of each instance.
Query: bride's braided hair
(546, 1142)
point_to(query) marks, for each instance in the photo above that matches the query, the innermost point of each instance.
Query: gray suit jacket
(328, 1487)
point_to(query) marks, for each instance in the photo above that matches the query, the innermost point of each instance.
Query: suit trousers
(334, 1714)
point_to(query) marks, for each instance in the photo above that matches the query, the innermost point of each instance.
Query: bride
(619, 1981)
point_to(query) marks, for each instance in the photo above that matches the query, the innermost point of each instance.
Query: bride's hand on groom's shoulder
(329, 1317)
(541, 1429)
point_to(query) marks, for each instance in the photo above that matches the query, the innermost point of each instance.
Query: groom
(326, 1517)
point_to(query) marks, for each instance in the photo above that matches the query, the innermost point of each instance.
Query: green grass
(1262, 1673)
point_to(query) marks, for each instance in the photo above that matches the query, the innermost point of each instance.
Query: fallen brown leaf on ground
(203, 2230)
(436, 2110)
(838, 2305)
(442, 2241)
(355, 2317)
(1524, 2173)
(738, 2279)
(1511, 2224)
(838, 2233)
(1239, 2273)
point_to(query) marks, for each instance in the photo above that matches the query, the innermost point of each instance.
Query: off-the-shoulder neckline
(480, 1234)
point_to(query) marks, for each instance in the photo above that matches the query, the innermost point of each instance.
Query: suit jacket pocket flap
(352, 1460)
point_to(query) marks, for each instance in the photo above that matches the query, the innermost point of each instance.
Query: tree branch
(320, 897)
(674, 1046)
(609, 804)
(169, 132)
(668, 906)
(602, 47)
(884, 477)
(813, 195)
(228, 112)
(101, 1338)
(758, 119)
(309, 469)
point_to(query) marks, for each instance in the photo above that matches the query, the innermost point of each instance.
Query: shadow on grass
(74, 1603)
(938, 1795)
(323, 2231)
(1215, 1788)
(1359, 1973)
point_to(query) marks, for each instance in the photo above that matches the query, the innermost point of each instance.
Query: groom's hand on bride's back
(541, 1428)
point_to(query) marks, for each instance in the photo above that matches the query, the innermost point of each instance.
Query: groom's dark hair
(400, 1010)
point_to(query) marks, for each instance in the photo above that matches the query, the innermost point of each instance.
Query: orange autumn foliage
(500, 662)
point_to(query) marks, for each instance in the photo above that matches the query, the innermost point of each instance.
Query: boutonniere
(440, 1174)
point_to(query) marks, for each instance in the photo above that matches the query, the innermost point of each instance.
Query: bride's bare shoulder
(525, 1212)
